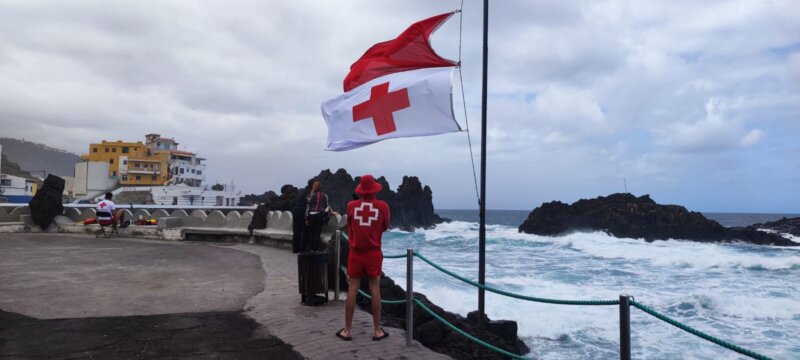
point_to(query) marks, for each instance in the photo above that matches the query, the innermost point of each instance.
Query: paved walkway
(50, 276)
(311, 330)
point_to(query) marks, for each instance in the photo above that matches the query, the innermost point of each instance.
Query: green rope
(467, 335)
(699, 333)
(364, 294)
(517, 296)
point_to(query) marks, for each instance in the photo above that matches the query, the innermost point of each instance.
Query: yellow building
(131, 163)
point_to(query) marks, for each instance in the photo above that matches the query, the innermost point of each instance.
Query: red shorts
(364, 263)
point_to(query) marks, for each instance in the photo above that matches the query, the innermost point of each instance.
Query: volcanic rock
(625, 215)
(784, 225)
(411, 206)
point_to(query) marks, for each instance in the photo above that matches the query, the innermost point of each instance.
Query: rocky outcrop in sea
(784, 225)
(628, 216)
(411, 206)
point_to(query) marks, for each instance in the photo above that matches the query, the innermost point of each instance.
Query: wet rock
(625, 215)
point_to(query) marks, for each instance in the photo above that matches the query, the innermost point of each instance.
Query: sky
(696, 103)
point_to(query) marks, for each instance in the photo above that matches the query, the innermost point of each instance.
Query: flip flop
(340, 336)
(378, 338)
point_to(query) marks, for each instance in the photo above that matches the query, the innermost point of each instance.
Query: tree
(218, 187)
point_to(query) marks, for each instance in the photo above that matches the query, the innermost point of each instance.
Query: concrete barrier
(73, 214)
(158, 214)
(199, 213)
(197, 219)
(215, 219)
(88, 213)
(17, 212)
(4, 216)
(167, 222)
(236, 221)
(179, 213)
(140, 212)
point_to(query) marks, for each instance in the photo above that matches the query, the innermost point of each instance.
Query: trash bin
(312, 270)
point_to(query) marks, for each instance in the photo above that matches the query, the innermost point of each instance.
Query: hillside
(11, 168)
(35, 157)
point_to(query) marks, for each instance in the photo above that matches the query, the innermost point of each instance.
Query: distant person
(299, 223)
(107, 210)
(367, 220)
(317, 213)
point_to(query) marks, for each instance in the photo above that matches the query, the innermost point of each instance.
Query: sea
(747, 295)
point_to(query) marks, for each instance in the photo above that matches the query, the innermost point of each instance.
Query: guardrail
(624, 302)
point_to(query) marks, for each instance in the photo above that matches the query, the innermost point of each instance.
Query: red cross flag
(398, 88)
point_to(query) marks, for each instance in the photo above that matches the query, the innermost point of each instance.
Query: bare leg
(350, 305)
(375, 291)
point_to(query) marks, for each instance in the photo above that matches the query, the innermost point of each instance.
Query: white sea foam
(742, 293)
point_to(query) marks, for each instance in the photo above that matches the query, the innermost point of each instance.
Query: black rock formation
(411, 206)
(47, 203)
(784, 225)
(625, 215)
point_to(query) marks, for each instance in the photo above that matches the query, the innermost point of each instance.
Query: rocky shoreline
(628, 216)
(411, 205)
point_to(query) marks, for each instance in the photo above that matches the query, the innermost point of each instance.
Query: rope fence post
(409, 296)
(624, 327)
(338, 239)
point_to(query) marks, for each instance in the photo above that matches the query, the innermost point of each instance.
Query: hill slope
(36, 157)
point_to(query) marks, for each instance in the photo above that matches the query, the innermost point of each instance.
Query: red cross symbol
(103, 205)
(358, 214)
(380, 106)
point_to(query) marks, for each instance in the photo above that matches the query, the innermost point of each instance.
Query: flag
(398, 88)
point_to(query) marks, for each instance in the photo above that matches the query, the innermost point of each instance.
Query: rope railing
(625, 353)
(513, 295)
(698, 333)
(466, 334)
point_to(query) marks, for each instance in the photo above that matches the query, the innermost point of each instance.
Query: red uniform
(367, 219)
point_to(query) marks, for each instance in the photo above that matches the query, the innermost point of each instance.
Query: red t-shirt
(367, 219)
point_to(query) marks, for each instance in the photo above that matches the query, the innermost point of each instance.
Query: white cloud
(753, 137)
(241, 83)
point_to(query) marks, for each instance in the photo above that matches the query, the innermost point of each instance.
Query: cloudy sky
(696, 103)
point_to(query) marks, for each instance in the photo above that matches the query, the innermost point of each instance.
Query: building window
(138, 177)
(94, 149)
(113, 149)
(111, 161)
(113, 173)
(5, 182)
(181, 170)
(124, 162)
(125, 177)
(106, 149)
(125, 149)
(199, 172)
(192, 171)
(152, 177)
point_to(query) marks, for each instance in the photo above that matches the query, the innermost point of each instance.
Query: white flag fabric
(402, 104)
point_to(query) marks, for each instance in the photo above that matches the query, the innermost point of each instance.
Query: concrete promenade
(58, 277)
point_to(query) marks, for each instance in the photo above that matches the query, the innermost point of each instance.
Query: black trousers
(313, 231)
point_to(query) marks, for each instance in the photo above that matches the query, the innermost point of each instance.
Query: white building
(184, 166)
(185, 195)
(91, 179)
(15, 189)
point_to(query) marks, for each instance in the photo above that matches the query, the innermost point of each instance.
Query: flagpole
(482, 212)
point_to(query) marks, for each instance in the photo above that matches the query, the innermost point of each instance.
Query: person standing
(299, 222)
(367, 220)
(316, 215)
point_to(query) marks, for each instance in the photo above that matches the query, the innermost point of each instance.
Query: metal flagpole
(482, 211)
